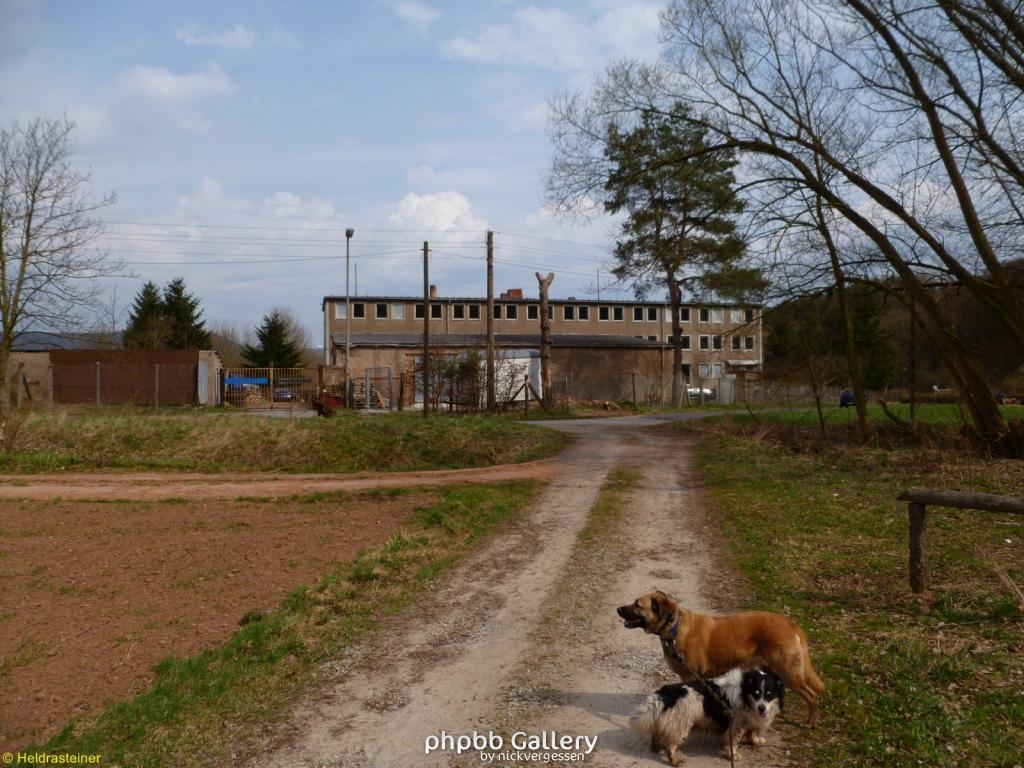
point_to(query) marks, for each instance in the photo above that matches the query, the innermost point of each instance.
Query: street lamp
(348, 311)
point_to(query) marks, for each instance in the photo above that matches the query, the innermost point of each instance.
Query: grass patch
(202, 710)
(87, 438)
(821, 538)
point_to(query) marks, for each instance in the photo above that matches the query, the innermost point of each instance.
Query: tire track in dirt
(156, 486)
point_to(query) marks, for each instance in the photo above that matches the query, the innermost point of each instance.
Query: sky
(254, 133)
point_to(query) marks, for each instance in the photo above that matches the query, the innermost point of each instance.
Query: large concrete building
(600, 349)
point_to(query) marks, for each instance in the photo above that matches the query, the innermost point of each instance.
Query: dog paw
(758, 740)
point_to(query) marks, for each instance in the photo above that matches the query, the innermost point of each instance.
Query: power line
(285, 229)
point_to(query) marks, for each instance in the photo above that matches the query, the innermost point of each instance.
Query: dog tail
(646, 719)
(811, 676)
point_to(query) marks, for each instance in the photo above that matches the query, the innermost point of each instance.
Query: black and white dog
(748, 699)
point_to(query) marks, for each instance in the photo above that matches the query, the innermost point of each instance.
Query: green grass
(202, 710)
(85, 438)
(942, 414)
(821, 537)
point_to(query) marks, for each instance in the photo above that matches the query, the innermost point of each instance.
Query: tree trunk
(675, 302)
(545, 339)
(854, 362)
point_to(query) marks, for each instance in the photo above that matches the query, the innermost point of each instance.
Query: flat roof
(501, 339)
(595, 302)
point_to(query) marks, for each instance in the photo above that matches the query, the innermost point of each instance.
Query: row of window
(708, 343)
(579, 312)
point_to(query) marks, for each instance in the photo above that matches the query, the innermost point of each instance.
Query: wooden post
(490, 322)
(426, 329)
(545, 339)
(918, 520)
(526, 394)
(401, 391)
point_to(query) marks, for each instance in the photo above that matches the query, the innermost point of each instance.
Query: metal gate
(266, 388)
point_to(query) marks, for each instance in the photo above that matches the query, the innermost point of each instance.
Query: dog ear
(656, 600)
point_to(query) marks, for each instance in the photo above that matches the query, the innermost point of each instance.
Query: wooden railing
(919, 498)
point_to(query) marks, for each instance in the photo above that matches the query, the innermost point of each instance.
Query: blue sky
(257, 132)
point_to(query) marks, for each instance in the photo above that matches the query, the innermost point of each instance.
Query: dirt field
(94, 595)
(519, 640)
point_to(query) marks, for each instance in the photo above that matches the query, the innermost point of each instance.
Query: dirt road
(156, 486)
(481, 654)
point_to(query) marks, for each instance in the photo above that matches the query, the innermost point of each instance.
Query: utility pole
(348, 314)
(490, 321)
(426, 329)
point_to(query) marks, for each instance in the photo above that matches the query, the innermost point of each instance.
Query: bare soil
(483, 654)
(94, 595)
(154, 486)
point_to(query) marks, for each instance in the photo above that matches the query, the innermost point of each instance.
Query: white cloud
(162, 85)
(417, 15)
(282, 205)
(555, 39)
(237, 36)
(442, 211)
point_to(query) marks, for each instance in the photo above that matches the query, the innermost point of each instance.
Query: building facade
(719, 341)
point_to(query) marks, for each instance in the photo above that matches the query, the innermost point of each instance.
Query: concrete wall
(34, 370)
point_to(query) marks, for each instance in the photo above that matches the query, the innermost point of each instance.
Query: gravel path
(479, 654)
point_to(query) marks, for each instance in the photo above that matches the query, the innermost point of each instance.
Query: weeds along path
(523, 635)
(156, 486)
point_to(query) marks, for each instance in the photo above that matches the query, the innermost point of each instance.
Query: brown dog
(700, 646)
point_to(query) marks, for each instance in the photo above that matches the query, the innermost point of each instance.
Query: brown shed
(133, 377)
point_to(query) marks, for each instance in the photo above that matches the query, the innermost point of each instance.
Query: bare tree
(899, 118)
(48, 225)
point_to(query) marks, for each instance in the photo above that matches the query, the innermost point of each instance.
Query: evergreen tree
(275, 348)
(187, 330)
(147, 326)
(680, 204)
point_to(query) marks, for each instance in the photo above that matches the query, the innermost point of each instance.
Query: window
(381, 312)
(359, 311)
(684, 342)
(436, 311)
(474, 311)
(716, 370)
(511, 312)
(532, 312)
(748, 314)
(617, 314)
(748, 342)
(584, 312)
(705, 314)
(652, 338)
(398, 311)
(458, 311)
(736, 315)
(716, 342)
(705, 370)
(705, 342)
(684, 314)
(340, 312)
(652, 314)
(551, 312)
(568, 312)
(497, 311)
(418, 312)
(716, 315)
(603, 314)
(638, 314)
(735, 343)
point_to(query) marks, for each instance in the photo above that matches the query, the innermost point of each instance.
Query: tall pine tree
(147, 326)
(679, 231)
(187, 330)
(275, 348)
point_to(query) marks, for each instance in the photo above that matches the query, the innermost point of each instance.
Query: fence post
(270, 378)
(401, 391)
(97, 382)
(526, 394)
(156, 385)
(918, 521)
